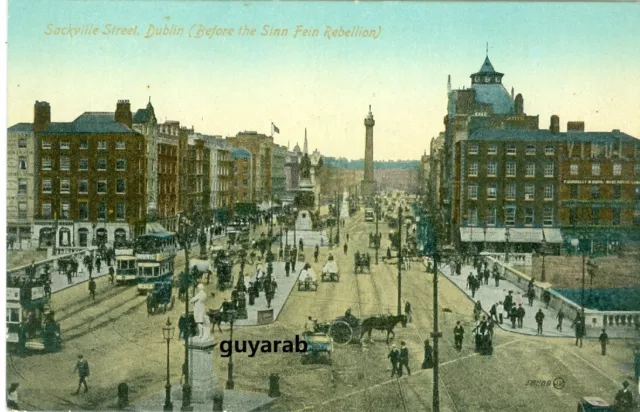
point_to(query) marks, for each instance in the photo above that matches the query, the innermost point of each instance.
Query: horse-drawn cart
(330, 271)
(307, 279)
(317, 344)
(362, 261)
(348, 328)
(160, 298)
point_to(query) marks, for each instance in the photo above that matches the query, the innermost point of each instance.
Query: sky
(579, 61)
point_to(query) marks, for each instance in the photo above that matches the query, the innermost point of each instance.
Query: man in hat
(82, 367)
(539, 320)
(404, 358)
(624, 398)
(458, 335)
(394, 357)
(604, 339)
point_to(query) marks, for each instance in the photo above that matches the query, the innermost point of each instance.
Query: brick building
(242, 184)
(260, 146)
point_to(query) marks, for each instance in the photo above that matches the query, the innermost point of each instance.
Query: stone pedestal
(303, 221)
(203, 379)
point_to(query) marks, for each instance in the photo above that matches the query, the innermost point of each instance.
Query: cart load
(330, 271)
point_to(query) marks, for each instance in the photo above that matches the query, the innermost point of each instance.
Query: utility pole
(400, 261)
(435, 335)
(338, 218)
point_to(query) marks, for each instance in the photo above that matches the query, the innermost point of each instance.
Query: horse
(383, 323)
(215, 318)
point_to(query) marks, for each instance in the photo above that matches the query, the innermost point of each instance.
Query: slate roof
(241, 153)
(141, 116)
(21, 127)
(90, 122)
(495, 95)
(487, 67)
(546, 135)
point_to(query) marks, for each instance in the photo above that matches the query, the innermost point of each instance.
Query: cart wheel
(341, 332)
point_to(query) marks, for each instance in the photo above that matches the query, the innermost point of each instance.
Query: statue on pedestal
(200, 316)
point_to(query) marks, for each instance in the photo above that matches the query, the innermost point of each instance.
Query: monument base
(201, 374)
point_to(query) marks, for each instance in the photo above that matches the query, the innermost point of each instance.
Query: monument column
(368, 184)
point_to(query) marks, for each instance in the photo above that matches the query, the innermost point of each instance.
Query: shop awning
(479, 234)
(525, 235)
(552, 235)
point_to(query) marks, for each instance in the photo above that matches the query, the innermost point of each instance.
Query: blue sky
(579, 61)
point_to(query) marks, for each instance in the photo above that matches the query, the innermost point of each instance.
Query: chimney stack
(519, 105)
(41, 116)
(123, 113)
(555, 124)
(575, 126)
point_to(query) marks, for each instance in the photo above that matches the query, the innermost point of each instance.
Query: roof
(487, 67)
(141, 116)
(241, 153)
(90, 122)
(21, 127)
(496, 95)
(546, 135)
(158, 235)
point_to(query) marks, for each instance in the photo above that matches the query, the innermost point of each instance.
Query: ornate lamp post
(185, 243)
(232, 315)
(338, 219)
(507, 235)
(543, 252)
(167, 333)
(400, 261)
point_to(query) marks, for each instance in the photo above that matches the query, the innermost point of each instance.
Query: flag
(275, 128)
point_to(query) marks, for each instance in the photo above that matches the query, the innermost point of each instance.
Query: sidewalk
(234, 401)
(59, 280)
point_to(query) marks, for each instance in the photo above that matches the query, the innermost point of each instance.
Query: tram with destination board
(125, 265)
(154, 255)
(369, 215)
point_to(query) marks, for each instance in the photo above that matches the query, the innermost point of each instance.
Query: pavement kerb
(509, 330)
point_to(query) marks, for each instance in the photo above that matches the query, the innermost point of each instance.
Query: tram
(30, 323)
(369, 215)
(154, 255)
(125, 265)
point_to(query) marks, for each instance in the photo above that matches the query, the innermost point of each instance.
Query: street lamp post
(377, 237)
(507, 235)
(575, 242)
(167, 332)
(543, 252)
(186, 388)
(231, 318)
(435, 335)
(338, 219)
(400, 261)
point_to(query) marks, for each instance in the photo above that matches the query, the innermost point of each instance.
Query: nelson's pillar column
(368, 185)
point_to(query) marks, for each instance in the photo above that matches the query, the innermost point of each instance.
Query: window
(120, 211)
(529, 215)
(65, 186)
(511, 149)
(548, 191)
(46, 210)
(83, 164)
(64, 209)
(46, 144)
(121, 186)
(595, 169)
(83, 186)
(573, 170)
(22, 143)
(102, 145)
(22, 163)
(65, 163)
(83, 210)
(529, 191)
(473, 169)
(615, 220)
(492, 168)
(102, 210)
(120, 146)
(64, 145)
(573, 220)
(595, 191)
(492, 149)
(617, 169)
(531, 169)
(617, 191)
(46, 186)
(121, 164)
(473, 217)
(473, 191)
(102, 187)
(492, 191)
(491, 216)
(573, 190)
(595, 216)
(530, 150)
(473, 149)
(548, 169)
(84, 144)
(102, 163)
(511, 169)
(22, 186)
(22, 210)
(549, 150)
(46, 163)
(511, 191)
(510, 215)
(547, 218)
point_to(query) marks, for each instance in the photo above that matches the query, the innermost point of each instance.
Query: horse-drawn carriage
(346, 329)
(362, 261)
(224, 273)
(160, 298)
(374, 241)
(318, 343)
(593, 404)
(330, 271)
(307, 279)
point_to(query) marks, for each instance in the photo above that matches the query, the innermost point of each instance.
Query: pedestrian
(293, 261)
(508, 302)
(474, 285)
(92, 288)
(347, 237)
(578, 324)
(518, 299)
(301, 243)
(539, 320)
(12, 397)
(407, 311)
(98, 264)
(531, 294)
(560, 318)
(500, 310)
(69, 275)
(388, 253)
(486, 276)
(521, 313)
(427, 363)
(404, 358)
(287, 267)
(111, 275)
(493, 312)
(82, 367)
(546, 298)
(458, 335)
(513, 315)
(604, 340)
(496, 275)
(394, 357)
(469, 280)
(624, 399)
(477, 310)
(315, 254)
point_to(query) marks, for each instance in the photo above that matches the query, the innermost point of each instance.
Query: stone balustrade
(515, 259)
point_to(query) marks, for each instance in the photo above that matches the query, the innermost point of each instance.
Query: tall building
(278, 174)
(167, 136)
(368, 184)
(260, 146)
(144, 122)
(242, 184)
